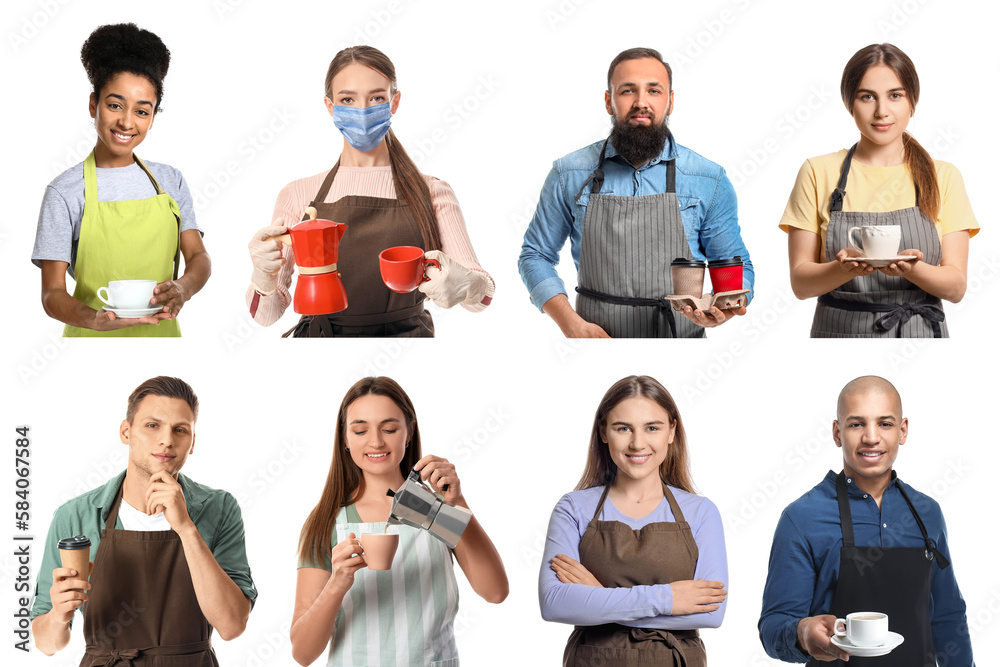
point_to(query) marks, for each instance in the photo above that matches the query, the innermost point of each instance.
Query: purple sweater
(639, 606)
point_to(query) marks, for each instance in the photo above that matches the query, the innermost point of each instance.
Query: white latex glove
(453, 283)
(267, 257)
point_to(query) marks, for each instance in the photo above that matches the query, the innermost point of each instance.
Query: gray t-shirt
(62, 207)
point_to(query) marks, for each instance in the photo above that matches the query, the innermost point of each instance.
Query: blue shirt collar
(669, 151)
(852, 488)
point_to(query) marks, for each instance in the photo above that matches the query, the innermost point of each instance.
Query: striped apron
(877, 305)
(626, 249)
(401, 616)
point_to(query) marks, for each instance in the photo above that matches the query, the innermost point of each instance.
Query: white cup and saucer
(879, 245)
(129, 298)
(865, 634)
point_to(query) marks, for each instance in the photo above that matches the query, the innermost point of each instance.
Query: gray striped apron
(627, 246)
(877, 305)
(403, 616)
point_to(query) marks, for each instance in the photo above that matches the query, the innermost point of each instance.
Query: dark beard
(638, 143)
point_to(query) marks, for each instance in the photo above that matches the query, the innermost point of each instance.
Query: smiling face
(640, 93)
(639, 433)
(377, 434)
(123, 113)
(870, 428)
(358, 86)
(160, 436)
(881, 107)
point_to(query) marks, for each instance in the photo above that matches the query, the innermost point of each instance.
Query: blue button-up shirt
(805, 564)
(706, 197)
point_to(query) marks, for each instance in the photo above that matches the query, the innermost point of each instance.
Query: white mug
(127, 294)
(863, 628)
(876, 240)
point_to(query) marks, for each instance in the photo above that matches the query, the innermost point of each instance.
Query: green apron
(125, 240)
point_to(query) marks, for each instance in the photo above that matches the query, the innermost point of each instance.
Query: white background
(491, 95)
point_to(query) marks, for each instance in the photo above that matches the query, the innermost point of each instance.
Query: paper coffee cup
(379, 549)
(75, 553)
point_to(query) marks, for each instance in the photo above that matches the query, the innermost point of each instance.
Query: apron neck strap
(112, 519)
(142, 165)
(600, 504)
(596, 178)
(327, 184)
(930, 550)
(837, 198)
(675, 509)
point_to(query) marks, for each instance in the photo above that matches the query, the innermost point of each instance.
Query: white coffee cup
(127, 294)
(876, 240)
(863, 628)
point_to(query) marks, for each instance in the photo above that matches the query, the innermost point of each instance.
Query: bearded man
(630, 204)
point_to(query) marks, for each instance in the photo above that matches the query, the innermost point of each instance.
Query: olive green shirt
(215, 513)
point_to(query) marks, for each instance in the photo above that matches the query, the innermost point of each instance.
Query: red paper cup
(726, 274)
(403, 267)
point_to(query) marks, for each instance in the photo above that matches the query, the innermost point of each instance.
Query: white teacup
(876, 240)
(863, 628)
(127, 294)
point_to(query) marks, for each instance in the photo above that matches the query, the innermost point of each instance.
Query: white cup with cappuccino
(877, 241)
(863, 628)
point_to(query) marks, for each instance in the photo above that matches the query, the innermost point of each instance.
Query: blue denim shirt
(706, 197)
(805, 564)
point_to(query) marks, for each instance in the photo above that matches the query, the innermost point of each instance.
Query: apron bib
(892, 580)
(877, 305)
(626, 250)
(401, 616)
(374, 224)
(143, 611)
(137, 239)
(621, 557)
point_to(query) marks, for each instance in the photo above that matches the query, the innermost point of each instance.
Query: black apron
(893, 580)
(626, 248)
(374, 224)
(877, 305)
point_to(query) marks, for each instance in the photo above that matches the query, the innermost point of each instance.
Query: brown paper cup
(77, 559)
(379, 550)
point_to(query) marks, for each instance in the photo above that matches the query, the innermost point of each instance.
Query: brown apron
(373, 224)
(659, 553)
(142, 610)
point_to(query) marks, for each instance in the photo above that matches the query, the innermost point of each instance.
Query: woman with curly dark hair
(113, 216)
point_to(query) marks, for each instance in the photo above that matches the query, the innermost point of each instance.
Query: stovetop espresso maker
(415, 504)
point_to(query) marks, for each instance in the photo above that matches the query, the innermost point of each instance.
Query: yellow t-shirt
(872, 189)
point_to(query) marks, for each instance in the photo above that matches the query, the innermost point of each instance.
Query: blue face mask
(363, 128)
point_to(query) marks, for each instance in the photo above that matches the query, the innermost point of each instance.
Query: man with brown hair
(169, 556)
(629, 205)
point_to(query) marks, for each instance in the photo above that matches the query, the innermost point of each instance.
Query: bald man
(864, 541)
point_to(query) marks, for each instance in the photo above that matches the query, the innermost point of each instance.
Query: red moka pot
(315, 245)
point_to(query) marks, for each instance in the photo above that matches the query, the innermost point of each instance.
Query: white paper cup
(128, 294)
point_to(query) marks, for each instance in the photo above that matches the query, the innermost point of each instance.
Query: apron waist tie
(896, 314)
(318, 326)
(124, 656)
(663, 305)
(668, 637)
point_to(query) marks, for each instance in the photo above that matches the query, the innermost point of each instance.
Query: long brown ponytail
(601, 469)
(918, 161)
(409, 182)
(345, 482)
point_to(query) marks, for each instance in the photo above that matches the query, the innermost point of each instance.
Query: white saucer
(132, 313)
(879, 262)
(891, 641)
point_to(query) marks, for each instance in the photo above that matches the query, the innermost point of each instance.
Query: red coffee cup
(403, 267)
(726, 274)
